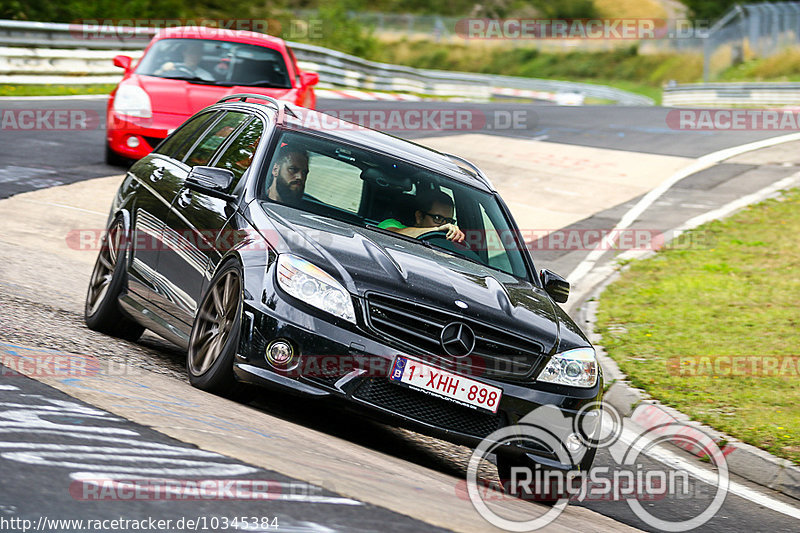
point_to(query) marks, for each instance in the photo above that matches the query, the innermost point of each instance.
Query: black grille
(435, 411)
(497, 353)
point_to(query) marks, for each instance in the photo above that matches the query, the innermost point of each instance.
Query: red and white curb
(349, 94)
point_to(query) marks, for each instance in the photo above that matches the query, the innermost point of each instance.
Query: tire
(116, 160)
(215, 335)
(108, 281)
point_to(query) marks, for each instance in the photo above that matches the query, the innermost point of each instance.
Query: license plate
(446, 385)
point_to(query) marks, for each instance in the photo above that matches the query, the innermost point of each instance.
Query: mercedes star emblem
(457, 339)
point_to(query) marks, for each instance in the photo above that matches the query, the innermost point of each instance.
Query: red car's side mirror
(309, 78)
(122, 62)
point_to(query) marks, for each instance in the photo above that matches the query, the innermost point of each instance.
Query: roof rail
(472, 166)
(281, 106)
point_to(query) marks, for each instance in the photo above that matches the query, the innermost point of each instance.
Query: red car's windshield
(216, 62)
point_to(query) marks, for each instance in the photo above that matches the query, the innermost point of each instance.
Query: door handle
(185, 198)
(157, 174)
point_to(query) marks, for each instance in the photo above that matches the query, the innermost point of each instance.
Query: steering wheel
(180, 68)
(439, 238)
(184, 68)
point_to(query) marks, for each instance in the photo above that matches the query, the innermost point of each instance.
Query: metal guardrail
(40, 50)
(732, 94)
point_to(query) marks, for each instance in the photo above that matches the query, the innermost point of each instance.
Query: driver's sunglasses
(439, 219)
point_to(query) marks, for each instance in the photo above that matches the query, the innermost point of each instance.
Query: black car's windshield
(216, 63)
(389, 195)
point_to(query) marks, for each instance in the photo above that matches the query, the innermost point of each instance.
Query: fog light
(280, 353)
(573, 443)
(133, 142)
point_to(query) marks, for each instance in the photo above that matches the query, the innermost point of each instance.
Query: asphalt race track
(31, 159)
(43, 430)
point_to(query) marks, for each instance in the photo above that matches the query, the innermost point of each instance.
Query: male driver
(289, 174)
(192, 52)
(435, 213)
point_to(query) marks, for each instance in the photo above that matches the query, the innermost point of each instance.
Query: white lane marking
(648, 199)
(720, 212)
(673, 460)
(162, 459)
(168, 466)
(737, 204)
(62, 97)
(8, 387)
(53, 204)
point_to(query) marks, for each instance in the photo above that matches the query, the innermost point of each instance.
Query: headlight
(576, 368)
(314, 286)
(131, 100)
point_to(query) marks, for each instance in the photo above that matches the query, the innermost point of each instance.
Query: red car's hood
(184, 98)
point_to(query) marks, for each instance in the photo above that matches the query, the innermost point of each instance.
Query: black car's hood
(368, 260)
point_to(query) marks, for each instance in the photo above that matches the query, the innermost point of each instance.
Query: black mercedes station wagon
(284, 248)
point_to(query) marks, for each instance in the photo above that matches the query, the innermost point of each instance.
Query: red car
(186, 69)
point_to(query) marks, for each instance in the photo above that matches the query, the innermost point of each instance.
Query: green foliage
(565, 9)
(709, 9)
(623, 64)
(51, 90)
(76, 10)
(339, 32)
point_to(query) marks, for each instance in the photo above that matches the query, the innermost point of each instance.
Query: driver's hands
(453, 232)
(169, 65)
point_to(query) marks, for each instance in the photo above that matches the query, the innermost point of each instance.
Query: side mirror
(309, 78)
(554, 285)
(212, 181)
(122, 62)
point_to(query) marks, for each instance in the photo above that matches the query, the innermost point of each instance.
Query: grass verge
(736, 296)
(54, 90)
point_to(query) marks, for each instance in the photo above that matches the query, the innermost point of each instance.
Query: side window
(334, 182)
(181, 140)
(497, 255)
(203, 151)
(239, 155)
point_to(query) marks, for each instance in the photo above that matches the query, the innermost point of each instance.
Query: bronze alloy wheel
(107, 283)
(104, 268)
(215, 322)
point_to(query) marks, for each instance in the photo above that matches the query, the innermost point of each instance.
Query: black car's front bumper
(360, 382)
